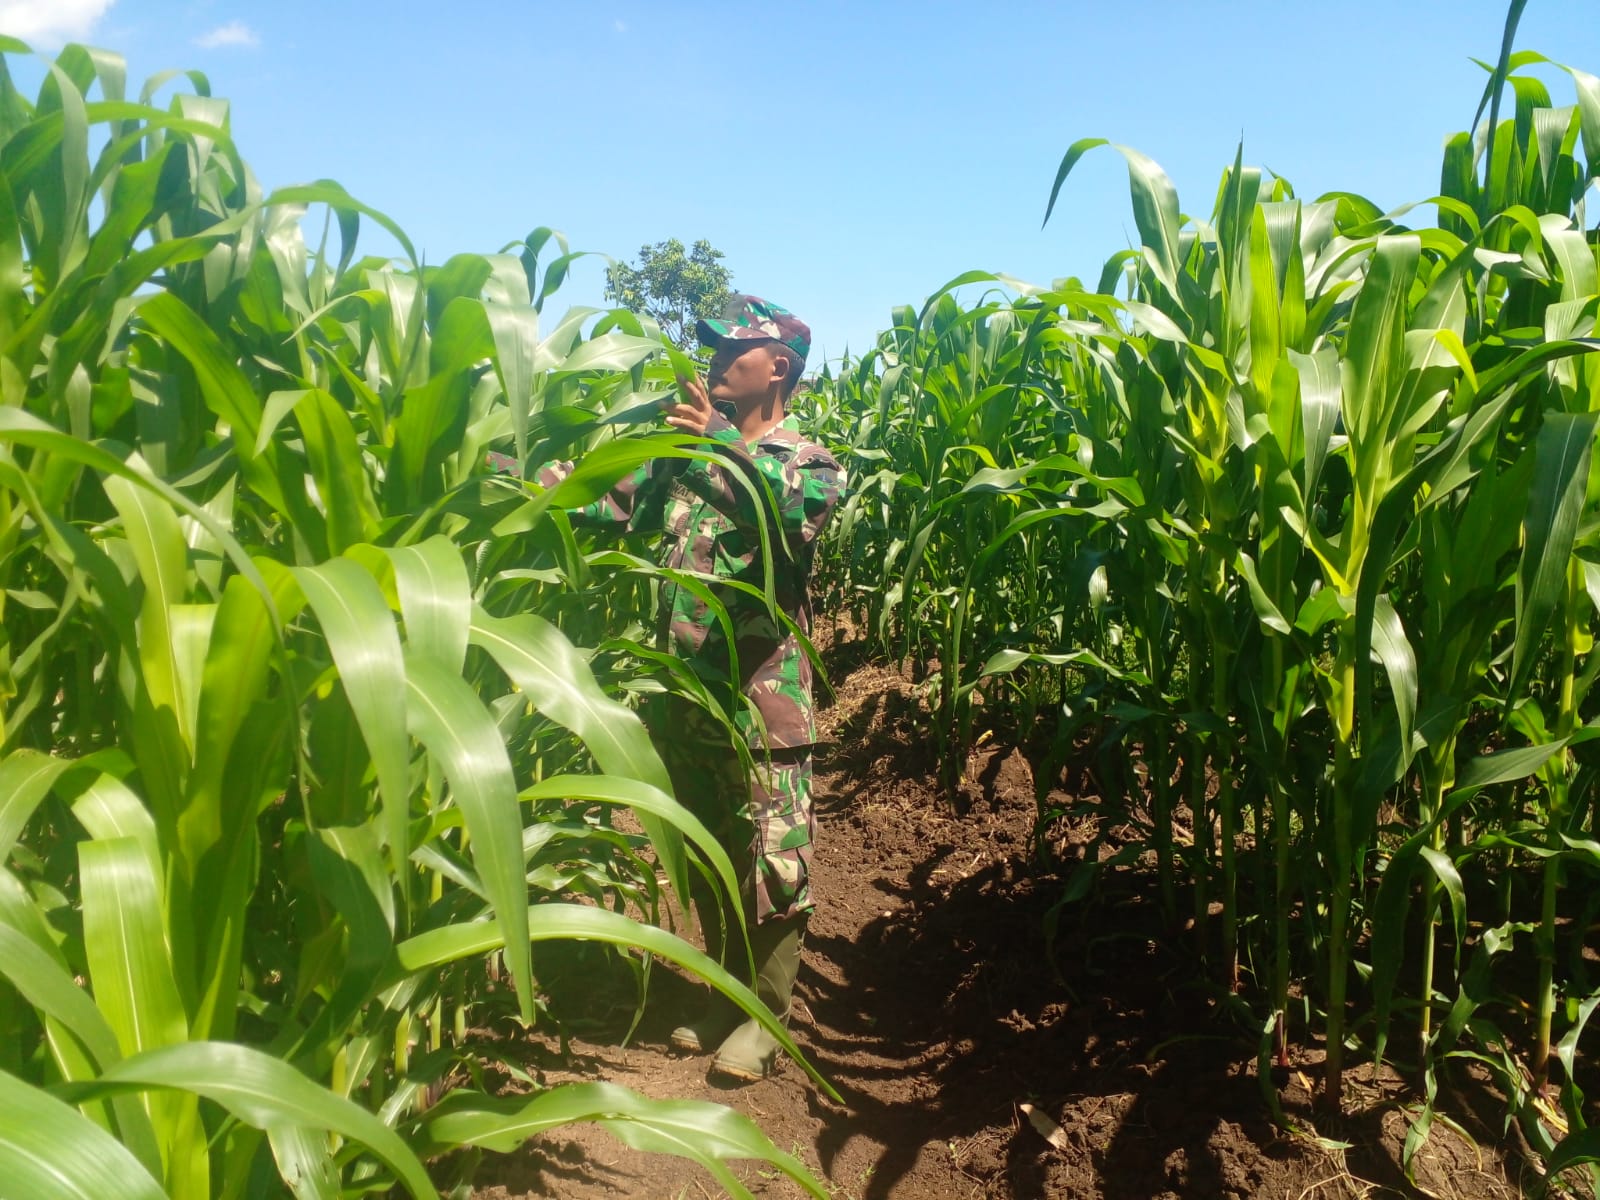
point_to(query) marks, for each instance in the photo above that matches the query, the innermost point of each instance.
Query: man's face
(742, 371)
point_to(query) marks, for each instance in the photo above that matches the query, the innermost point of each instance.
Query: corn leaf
(47, 1149)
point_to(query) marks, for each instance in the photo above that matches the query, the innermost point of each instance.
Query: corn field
(312, 731)
(1290, 526)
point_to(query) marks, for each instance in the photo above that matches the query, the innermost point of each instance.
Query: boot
(750, 1052)
(707, 1031)
(704, 1033)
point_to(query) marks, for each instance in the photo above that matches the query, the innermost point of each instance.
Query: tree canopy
(673, 286)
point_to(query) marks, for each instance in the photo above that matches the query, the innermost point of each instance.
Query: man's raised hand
(694, 411)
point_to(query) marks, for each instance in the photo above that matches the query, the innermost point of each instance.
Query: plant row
(1291, 527)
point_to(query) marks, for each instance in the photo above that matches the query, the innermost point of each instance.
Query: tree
(671, 286)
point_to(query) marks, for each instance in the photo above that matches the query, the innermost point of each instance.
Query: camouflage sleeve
(806, 487)
(616, 507)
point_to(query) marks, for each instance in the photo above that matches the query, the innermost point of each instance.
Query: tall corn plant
(287, 749)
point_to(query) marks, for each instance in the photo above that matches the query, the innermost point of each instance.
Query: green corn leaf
(1567, 1050)
(646, 800)
(460, 336)
(614, 351)
(1504, 766)
(1389, 916)
(515, 329)
(1560, 480)
(1449, 878)
(14, 304)
(435, 599)
(1265, 317)
(447, 717)
(1155, 205)
(1320, 398)
(1577, 269)
(555, 274)
(1588, 89)
(1393, 650)
(507, 282)
(44, 983)
(462, 277)
(26, 777)
(595, 475)
(429, 427)
(19, 910)
(216, 832)
(1266, 611)
(1577, 1148)
(692, 1129)
(158, 546)
(335, 459)
(125, 944)
(1374, 364)
(348, 866)
(988, 556)
(1003, 662)
(669, 1140)
(68, 1012)
(1149, 319)
(262, 1092)
(225, 387)
(1389, 908)
(108, 808)
(550, 921)
(131, 973)
(1493, 90)
(304, 1163)
(47, 1149)
(559, 682)
(326, 191)
(64, 192)
(361, 635)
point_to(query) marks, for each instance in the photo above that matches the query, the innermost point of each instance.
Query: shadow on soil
(951, 1005)
(949, 1009)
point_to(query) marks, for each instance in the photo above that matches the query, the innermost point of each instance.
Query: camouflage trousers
(762, 817)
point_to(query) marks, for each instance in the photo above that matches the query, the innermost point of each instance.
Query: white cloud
(51, 21)
(234, 33)
(620, 26)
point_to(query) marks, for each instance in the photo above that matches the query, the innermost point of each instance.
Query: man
(761, 472)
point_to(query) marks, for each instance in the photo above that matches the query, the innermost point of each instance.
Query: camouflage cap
(750, 318)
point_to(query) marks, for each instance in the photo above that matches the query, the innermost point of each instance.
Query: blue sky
(846, 157)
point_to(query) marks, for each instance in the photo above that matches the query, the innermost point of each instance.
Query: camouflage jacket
(710, 514)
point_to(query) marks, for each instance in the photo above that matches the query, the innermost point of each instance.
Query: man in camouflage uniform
(712, 512)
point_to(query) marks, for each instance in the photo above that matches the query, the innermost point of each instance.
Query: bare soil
(932, 999)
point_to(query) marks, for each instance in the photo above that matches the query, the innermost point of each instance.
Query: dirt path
(929, 999)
